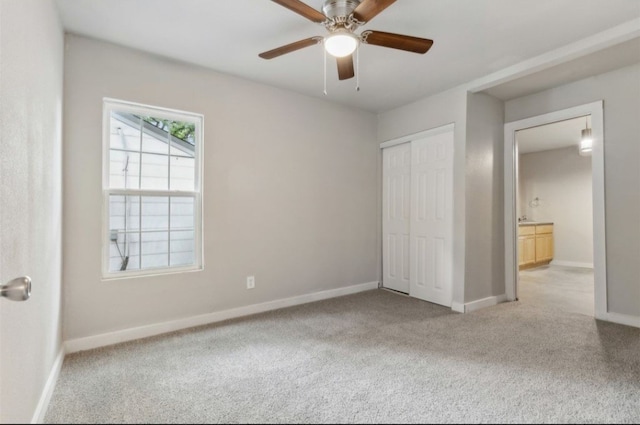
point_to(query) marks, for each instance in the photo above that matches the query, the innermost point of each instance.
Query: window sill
(137, 274)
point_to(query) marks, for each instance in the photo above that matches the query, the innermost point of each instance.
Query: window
(151, 190)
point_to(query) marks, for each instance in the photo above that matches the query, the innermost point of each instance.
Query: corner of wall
(484, 195)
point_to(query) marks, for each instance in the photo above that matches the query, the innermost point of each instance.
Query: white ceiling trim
(421, 135)
(599, 41)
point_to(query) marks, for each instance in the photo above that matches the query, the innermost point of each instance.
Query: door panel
(432, 219)
(544, 248)
(396, 204)
(529, 250)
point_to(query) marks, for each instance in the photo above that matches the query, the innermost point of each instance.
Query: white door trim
(594, 109)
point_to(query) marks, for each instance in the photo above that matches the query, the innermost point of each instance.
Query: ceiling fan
(342, 18)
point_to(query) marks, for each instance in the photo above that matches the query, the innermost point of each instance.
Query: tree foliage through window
(182, 130)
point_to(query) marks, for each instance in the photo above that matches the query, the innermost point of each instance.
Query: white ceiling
(558, 135)
(472, 38)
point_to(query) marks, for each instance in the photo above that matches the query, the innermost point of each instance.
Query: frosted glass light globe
(341, 44)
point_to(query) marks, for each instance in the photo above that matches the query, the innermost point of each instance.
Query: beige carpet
(569, 289)
(374, 357)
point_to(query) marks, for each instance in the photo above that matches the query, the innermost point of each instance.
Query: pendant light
(586, 141)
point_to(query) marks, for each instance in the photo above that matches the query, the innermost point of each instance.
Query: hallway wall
(620, 90)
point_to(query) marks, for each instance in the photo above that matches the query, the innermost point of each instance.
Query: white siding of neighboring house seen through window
(152, 197)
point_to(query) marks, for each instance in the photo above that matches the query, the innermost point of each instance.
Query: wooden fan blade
(302, 9)
(397, 41)
(283, 50)
(345, 68)
(369, 9)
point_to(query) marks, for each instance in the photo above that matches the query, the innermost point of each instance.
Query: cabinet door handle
(19, 289)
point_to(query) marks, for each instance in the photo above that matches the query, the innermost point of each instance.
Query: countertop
(534, 223)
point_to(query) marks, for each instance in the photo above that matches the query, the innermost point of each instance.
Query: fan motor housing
(339, 8)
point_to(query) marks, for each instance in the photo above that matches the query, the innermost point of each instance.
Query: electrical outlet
(251, 282)
(114, 236)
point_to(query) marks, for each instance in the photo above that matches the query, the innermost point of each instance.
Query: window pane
(124, 251)
(182, 213)
(155, 250)
(124, 169)
(182, 248)
(183, 172)
(155, 172)
(124, 213)
(155, 140)
(124, 131)
(124, 217)
(116, 212)
(155, 213)
(181, 149)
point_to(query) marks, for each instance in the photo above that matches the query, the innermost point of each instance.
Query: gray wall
(620, 91)
(478, 182)
(435, 111)
(485, 198)
(562, 179)
(31, 52)
(290, 191)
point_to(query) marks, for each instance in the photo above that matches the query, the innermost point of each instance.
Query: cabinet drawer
(545, 228)
(526, 230)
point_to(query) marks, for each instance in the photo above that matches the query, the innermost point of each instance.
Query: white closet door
(396, 205)
(432, 219)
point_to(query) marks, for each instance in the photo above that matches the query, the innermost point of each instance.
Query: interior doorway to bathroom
(554, 210)
(554, 205)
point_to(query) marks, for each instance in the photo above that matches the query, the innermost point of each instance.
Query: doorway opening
(519, 250)
(554, 207)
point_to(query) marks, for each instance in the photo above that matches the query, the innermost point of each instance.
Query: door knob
(19, 289)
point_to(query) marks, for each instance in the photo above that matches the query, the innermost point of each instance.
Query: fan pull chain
(325, 71)
(358, 70)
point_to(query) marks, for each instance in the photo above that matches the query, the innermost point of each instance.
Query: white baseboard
(622, 319)
(96, 341)
(47, 391)
(457, 307)
(572, 264)
(479, 304)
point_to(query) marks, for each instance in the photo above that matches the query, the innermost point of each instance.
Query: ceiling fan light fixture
(341, 44)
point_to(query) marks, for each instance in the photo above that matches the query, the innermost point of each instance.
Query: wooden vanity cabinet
(527, 245)
(535, 245)
(544, 243)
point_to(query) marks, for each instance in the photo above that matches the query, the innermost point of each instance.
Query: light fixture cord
(325, 72)
(357, 69)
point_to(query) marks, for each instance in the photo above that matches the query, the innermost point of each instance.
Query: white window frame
(110, 105)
